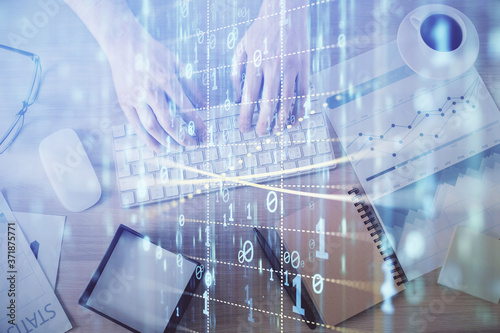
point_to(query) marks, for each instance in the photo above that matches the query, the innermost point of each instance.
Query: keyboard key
(212, 154)
(304, 163)
(290, 166)
(237, 165)
(269, 144)
(254, 146)
(294, 153)
(199, 188)
(207, 167)
(127, 198)
(138, 168)
(234, 136)
(318, 134)
(152, 165)
(182, 159)
(191, 173)
(323, 147)
(132, 155)
(186, 189)
(260, 173)
(213, 139)
(146, 153)
(134, 182)
(196, 157)
(250, 161)
(298, 138)
(142, 195)
(220, 166)
(225, 112)
(234, 120)
(265, 134)
(225, 151)
(265, 158)
(162, 176)
(176, 174)
(322, 159)
(171, 191)
(249, 135)
(224, 138)
(224, 124)
(290, 128)
(118, 131)
(166, 161)
(245, 175)
(309, 149)
(274, 168)
(240, 149)
(122, 168)
(157, 193)
(279, 156)
(128, 142)
(287, 141)
(313, 121)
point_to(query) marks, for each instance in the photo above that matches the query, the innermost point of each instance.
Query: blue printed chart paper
(44, 234)
(28, 303)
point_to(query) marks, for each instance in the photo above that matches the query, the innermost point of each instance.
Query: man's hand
(269, 51)
(145, 75)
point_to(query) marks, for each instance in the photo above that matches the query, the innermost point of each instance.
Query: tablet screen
(139, 284)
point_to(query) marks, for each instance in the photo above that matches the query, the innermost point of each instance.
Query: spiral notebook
(351, 266)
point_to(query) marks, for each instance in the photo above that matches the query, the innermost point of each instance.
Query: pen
(310, 312)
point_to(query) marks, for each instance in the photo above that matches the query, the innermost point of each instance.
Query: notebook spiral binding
(377, 233)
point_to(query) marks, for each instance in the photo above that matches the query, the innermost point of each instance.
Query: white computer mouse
(69, 170)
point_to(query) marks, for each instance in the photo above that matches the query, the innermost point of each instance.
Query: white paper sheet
(37, 308)
(472, 265)
(47, 231)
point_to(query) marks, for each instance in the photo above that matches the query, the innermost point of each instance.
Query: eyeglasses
(34, 86)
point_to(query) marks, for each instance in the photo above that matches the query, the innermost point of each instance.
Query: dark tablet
(140, 285)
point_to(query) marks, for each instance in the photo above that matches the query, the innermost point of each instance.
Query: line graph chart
(451, 106)
(399, 127)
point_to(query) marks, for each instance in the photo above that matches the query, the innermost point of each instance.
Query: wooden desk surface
(78, 92)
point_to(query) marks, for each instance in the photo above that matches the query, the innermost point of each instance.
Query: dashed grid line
(229, 105)
(267, 142)
(207, 288)
(272, 15)
(258, 18)
(326, 47)
(282, 315)
(359, 236)
(282, 73)
(361, 285)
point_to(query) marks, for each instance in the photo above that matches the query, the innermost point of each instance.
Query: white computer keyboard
(230, 158)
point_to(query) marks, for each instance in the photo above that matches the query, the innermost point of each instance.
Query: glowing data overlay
(398, 127)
